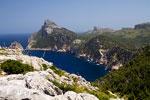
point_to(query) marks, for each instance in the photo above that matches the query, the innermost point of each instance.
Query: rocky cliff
(104, 50)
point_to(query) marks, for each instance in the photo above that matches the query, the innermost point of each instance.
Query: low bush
(44, 66)
(15, 67)
(58, 71)
(82, 89)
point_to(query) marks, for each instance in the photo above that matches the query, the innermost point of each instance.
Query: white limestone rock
(70, 95)
(34, 80)
(16, 92)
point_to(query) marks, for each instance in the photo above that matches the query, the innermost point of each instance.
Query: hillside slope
(132, 80)
(105, 50)
(133, 38)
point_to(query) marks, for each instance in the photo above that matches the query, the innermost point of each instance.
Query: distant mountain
(143, 26)
(133, 38)
(97, 29)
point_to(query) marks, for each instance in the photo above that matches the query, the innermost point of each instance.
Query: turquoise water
(66, 61)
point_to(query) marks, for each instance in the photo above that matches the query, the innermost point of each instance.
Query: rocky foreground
(44, 83)
(38, 85)
(35, 86)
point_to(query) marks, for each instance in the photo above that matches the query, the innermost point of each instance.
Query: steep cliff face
(107, 51)
(52, 37)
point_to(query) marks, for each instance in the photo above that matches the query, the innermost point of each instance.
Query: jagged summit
(48, 22)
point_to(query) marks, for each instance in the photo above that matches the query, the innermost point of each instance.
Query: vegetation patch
(4, 53)
(44, 66)
(82, 89)
(58, 71)
(15, 67)
(2, 49)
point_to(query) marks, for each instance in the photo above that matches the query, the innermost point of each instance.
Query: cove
(70, 63)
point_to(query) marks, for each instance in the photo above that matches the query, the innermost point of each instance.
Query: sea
(66, 61)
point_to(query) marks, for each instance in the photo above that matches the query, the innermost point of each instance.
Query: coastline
(77, 55)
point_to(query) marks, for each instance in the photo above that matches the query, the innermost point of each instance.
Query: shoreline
(78, 56)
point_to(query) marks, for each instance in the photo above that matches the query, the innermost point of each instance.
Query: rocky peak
(49, 23)
(16, 45)
(49, 27)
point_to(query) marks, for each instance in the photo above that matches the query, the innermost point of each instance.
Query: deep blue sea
(66, 61)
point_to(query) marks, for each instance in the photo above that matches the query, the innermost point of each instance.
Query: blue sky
(27, 16)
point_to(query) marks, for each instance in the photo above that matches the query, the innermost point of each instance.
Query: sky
(27, 16)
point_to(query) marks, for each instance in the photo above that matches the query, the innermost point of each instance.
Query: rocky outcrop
(15, 87)
(70, 95)
(35, 86)
(35, 80)
(16, 45)
(30, 60)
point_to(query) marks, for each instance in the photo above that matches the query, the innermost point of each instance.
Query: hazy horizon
(18, 16)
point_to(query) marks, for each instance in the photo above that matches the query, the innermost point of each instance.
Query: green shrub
(67, 87)
(3, 53)
(44, 66)
(15, 67)
(82, 89)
